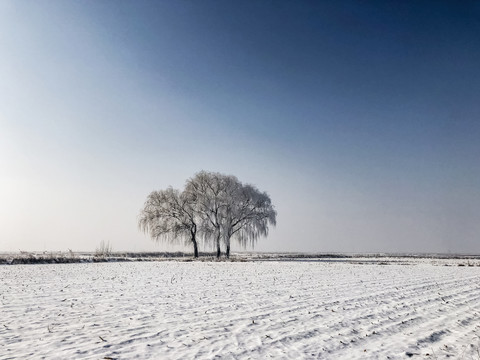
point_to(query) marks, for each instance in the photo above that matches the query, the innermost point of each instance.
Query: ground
(310, 309)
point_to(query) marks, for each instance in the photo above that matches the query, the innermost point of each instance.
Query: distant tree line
(212, 208)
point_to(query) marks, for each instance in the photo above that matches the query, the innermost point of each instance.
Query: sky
(359, 119)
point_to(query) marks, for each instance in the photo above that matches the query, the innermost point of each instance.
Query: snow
(240, 310)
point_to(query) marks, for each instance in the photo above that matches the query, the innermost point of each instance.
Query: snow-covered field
(240, 310)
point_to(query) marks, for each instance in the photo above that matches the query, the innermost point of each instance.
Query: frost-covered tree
(247, 216)
(208, 188)
(213, 207)
(228, 209)
(169, 215)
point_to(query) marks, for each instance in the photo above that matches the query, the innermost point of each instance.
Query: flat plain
(309, 309)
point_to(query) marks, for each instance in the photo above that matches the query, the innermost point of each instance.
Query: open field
(239, 310)
(61, 257)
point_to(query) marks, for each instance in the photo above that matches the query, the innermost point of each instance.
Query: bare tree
(208, 188)
(247, 216)
(170, 216)
(228, 209)
(213, 207)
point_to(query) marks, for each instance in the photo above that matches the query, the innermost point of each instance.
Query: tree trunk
(195, 248)
(227, 244)
(218, 246)
(193, 235)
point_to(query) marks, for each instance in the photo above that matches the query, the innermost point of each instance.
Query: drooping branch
(168, 215)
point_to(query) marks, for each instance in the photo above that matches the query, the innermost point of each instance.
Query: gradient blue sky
(360, 119)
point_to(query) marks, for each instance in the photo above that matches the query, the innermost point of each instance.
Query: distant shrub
(105, 249)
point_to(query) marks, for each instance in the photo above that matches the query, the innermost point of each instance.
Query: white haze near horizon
(86, 133)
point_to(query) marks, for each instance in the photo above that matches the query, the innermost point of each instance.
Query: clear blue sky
(360, 119)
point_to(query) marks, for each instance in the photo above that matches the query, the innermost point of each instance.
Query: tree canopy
(212, 207)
